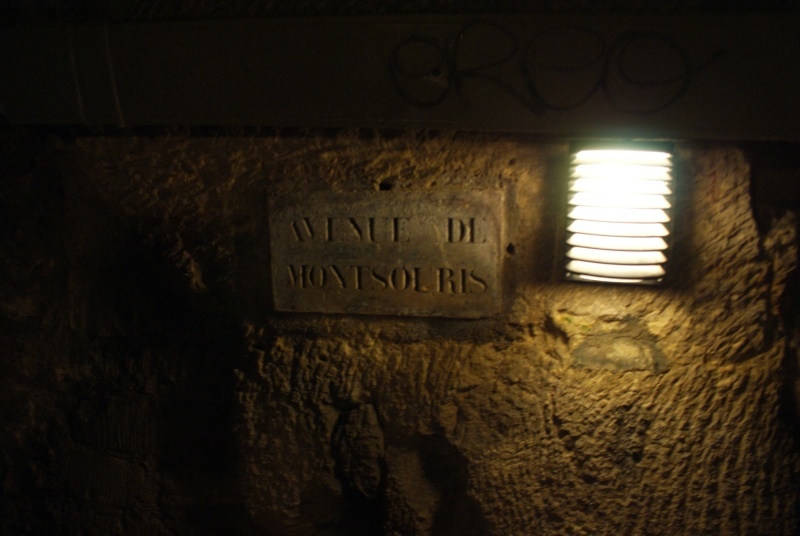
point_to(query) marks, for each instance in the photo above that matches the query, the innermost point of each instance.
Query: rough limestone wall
(581, 410)
(32, 342)
(115, 387)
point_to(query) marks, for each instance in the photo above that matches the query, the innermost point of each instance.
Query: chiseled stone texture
(582, 409)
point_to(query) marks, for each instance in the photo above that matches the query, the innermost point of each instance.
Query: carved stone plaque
(394, 253)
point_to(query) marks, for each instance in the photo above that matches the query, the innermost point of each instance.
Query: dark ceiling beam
(711, 76)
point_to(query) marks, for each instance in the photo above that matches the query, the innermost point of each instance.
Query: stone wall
(149, 387)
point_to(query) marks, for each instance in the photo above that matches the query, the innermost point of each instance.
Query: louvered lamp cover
(619, 215)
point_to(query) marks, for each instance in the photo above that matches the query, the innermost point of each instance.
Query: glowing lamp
(619, 215)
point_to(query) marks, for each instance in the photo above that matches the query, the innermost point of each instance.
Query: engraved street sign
(397, 253)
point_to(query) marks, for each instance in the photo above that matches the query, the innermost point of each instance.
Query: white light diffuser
(619, 215)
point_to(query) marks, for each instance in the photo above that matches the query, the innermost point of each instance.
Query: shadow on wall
(151, 424)
(775, 169)
(445, 466)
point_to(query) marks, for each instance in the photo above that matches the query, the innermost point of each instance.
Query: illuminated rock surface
(149, 388)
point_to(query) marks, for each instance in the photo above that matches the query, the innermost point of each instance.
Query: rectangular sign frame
(388, 253)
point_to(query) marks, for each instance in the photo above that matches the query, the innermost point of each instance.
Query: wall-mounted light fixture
(619, 214)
